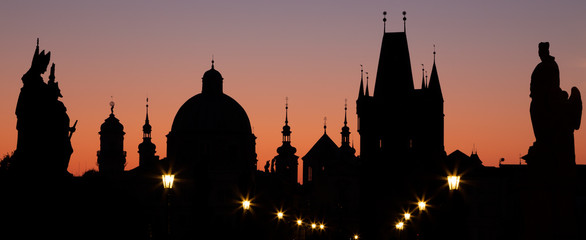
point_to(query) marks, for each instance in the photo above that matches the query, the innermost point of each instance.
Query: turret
(111, 157)
(147, 149)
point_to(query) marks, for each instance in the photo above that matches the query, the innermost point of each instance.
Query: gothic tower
(111, 157)
(401, 134)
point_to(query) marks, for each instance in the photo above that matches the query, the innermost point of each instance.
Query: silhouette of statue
(43, 145)
(554, 116)
(551, 159)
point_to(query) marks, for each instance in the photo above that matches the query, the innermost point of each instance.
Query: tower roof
(434, 84)
(394, 76)
(212, 81)
(112, 124)
(324, 148)
(146, 128)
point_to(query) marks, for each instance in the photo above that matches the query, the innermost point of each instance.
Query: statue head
(543, 50)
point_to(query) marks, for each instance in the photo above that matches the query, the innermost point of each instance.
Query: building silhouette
(285, 164)
(111, 156)
(147, 149)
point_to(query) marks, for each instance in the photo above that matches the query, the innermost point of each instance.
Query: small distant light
(355, 236)
(313, 225)
(407, 216)
(399, 226)
(280, 215)
(421, 205)
(299, 222)
(246, 204)
(321, 226)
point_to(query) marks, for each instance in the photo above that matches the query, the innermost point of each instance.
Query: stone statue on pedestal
(549, 193)
(43, 145)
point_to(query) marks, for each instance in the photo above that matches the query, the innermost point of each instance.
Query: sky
(307, 51)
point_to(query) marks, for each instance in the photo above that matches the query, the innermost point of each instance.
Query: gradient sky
(308, 51)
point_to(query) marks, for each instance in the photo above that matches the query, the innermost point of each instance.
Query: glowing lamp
(321, 226)
(246, 204)
(168, 181)
(313, 225)
(399, 226)
(454, 182)
(421, 205)
(280, 215)
(407, 216)
(299, 222)
(355, 236)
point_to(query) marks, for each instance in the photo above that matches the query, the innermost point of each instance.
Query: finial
(422, 76)
(212, 61)
(147, 107)
(325, 124)
(367, 93)
(112, 104)
(404, 21)
(384, 21)
(345, 111)
(37, 42)
(426, 77)
(286, 110)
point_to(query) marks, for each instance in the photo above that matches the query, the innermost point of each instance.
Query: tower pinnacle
(384, 22)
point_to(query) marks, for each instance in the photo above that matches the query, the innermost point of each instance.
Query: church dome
(213, 113)
(111, 125)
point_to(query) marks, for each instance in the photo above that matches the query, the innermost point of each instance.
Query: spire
(404, 21)
(325, 124)
(422, 76)
(146, 128)
(286, 110)
(434, 84)
(286, 129)
(212, 61)
(384, 22)
(361, 90)
(367, 93)
(345, 129)
(345, 112)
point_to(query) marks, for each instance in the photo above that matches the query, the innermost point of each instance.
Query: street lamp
(299, 222)
(168, 185)
(399, 226)
(246, 204)
(313, 226)
(421, 205)
(280, 215)
(168, 181)
(355, 236)
(322, 226)
(454, 182)
(407, 216)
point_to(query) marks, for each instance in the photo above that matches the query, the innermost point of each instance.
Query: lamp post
(399, 226)
(168, 186)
